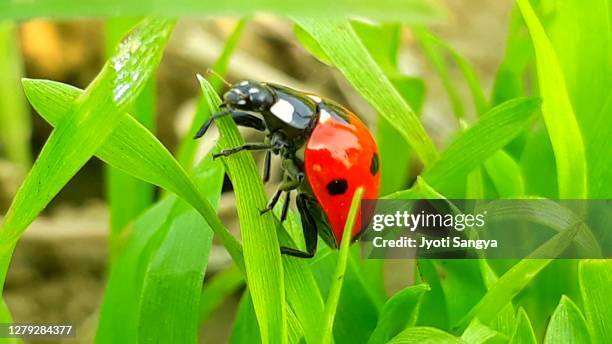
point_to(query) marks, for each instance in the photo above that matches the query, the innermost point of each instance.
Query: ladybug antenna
(212, 71)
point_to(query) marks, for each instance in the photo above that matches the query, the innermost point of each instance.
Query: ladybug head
(249, 96)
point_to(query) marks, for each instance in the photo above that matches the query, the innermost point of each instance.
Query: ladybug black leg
(241, 118)
(286, 186)
(267, 164)
(209, 122)
(285, 210)
(309, 228)
(246, 147)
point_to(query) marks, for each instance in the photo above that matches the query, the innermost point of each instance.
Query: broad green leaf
(133, 149)
(567, 324)
(523, 332)
(217, 289)
(331, 304)
(127, 196)
(494, 129)
(15, 120)
(595, 277)
(262, 258)
(424, 335)
(477, 333)
(343, 47)
(557, 111)
(418, 11)
(188, 146)
(515, 279)
(85, 127)
(398, 313)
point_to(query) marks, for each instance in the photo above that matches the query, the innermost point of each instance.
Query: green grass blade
(262, 258)
(127, 196)
(15, 123)
(418, 335)
(331, 305)
(90, 120)
(188, 146)
(217, 289)
(509, 81)
(166, 253)
(343, 47)
(245, 329)
(399, 312)
(6, 318)
(495, 129)
(477, 333)
(523, 332)
(131, 148)
(557, 110)
(581, 36)
(436, 58)
(505, 174)
(173, 281)
(567, 324)
(119, 310)
(595, 278)
(515, 279)
(417, 11)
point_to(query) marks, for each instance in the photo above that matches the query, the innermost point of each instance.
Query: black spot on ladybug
(337, 187)
(374, 164)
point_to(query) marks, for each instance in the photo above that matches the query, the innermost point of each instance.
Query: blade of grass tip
(523, 331)
(567, 324)
(468, 72)
(415, 11)
(15, 126)
(131, 148)
(334, 293)
(557, 110)
(344, 48)
(90, 121)
(127, 196)
(262, 257)
(423, 334)
(188, 146)
(399, 312)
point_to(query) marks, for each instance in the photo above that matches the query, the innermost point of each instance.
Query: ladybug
(327, 153)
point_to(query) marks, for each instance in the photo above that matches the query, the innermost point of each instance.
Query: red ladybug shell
(341, 149)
